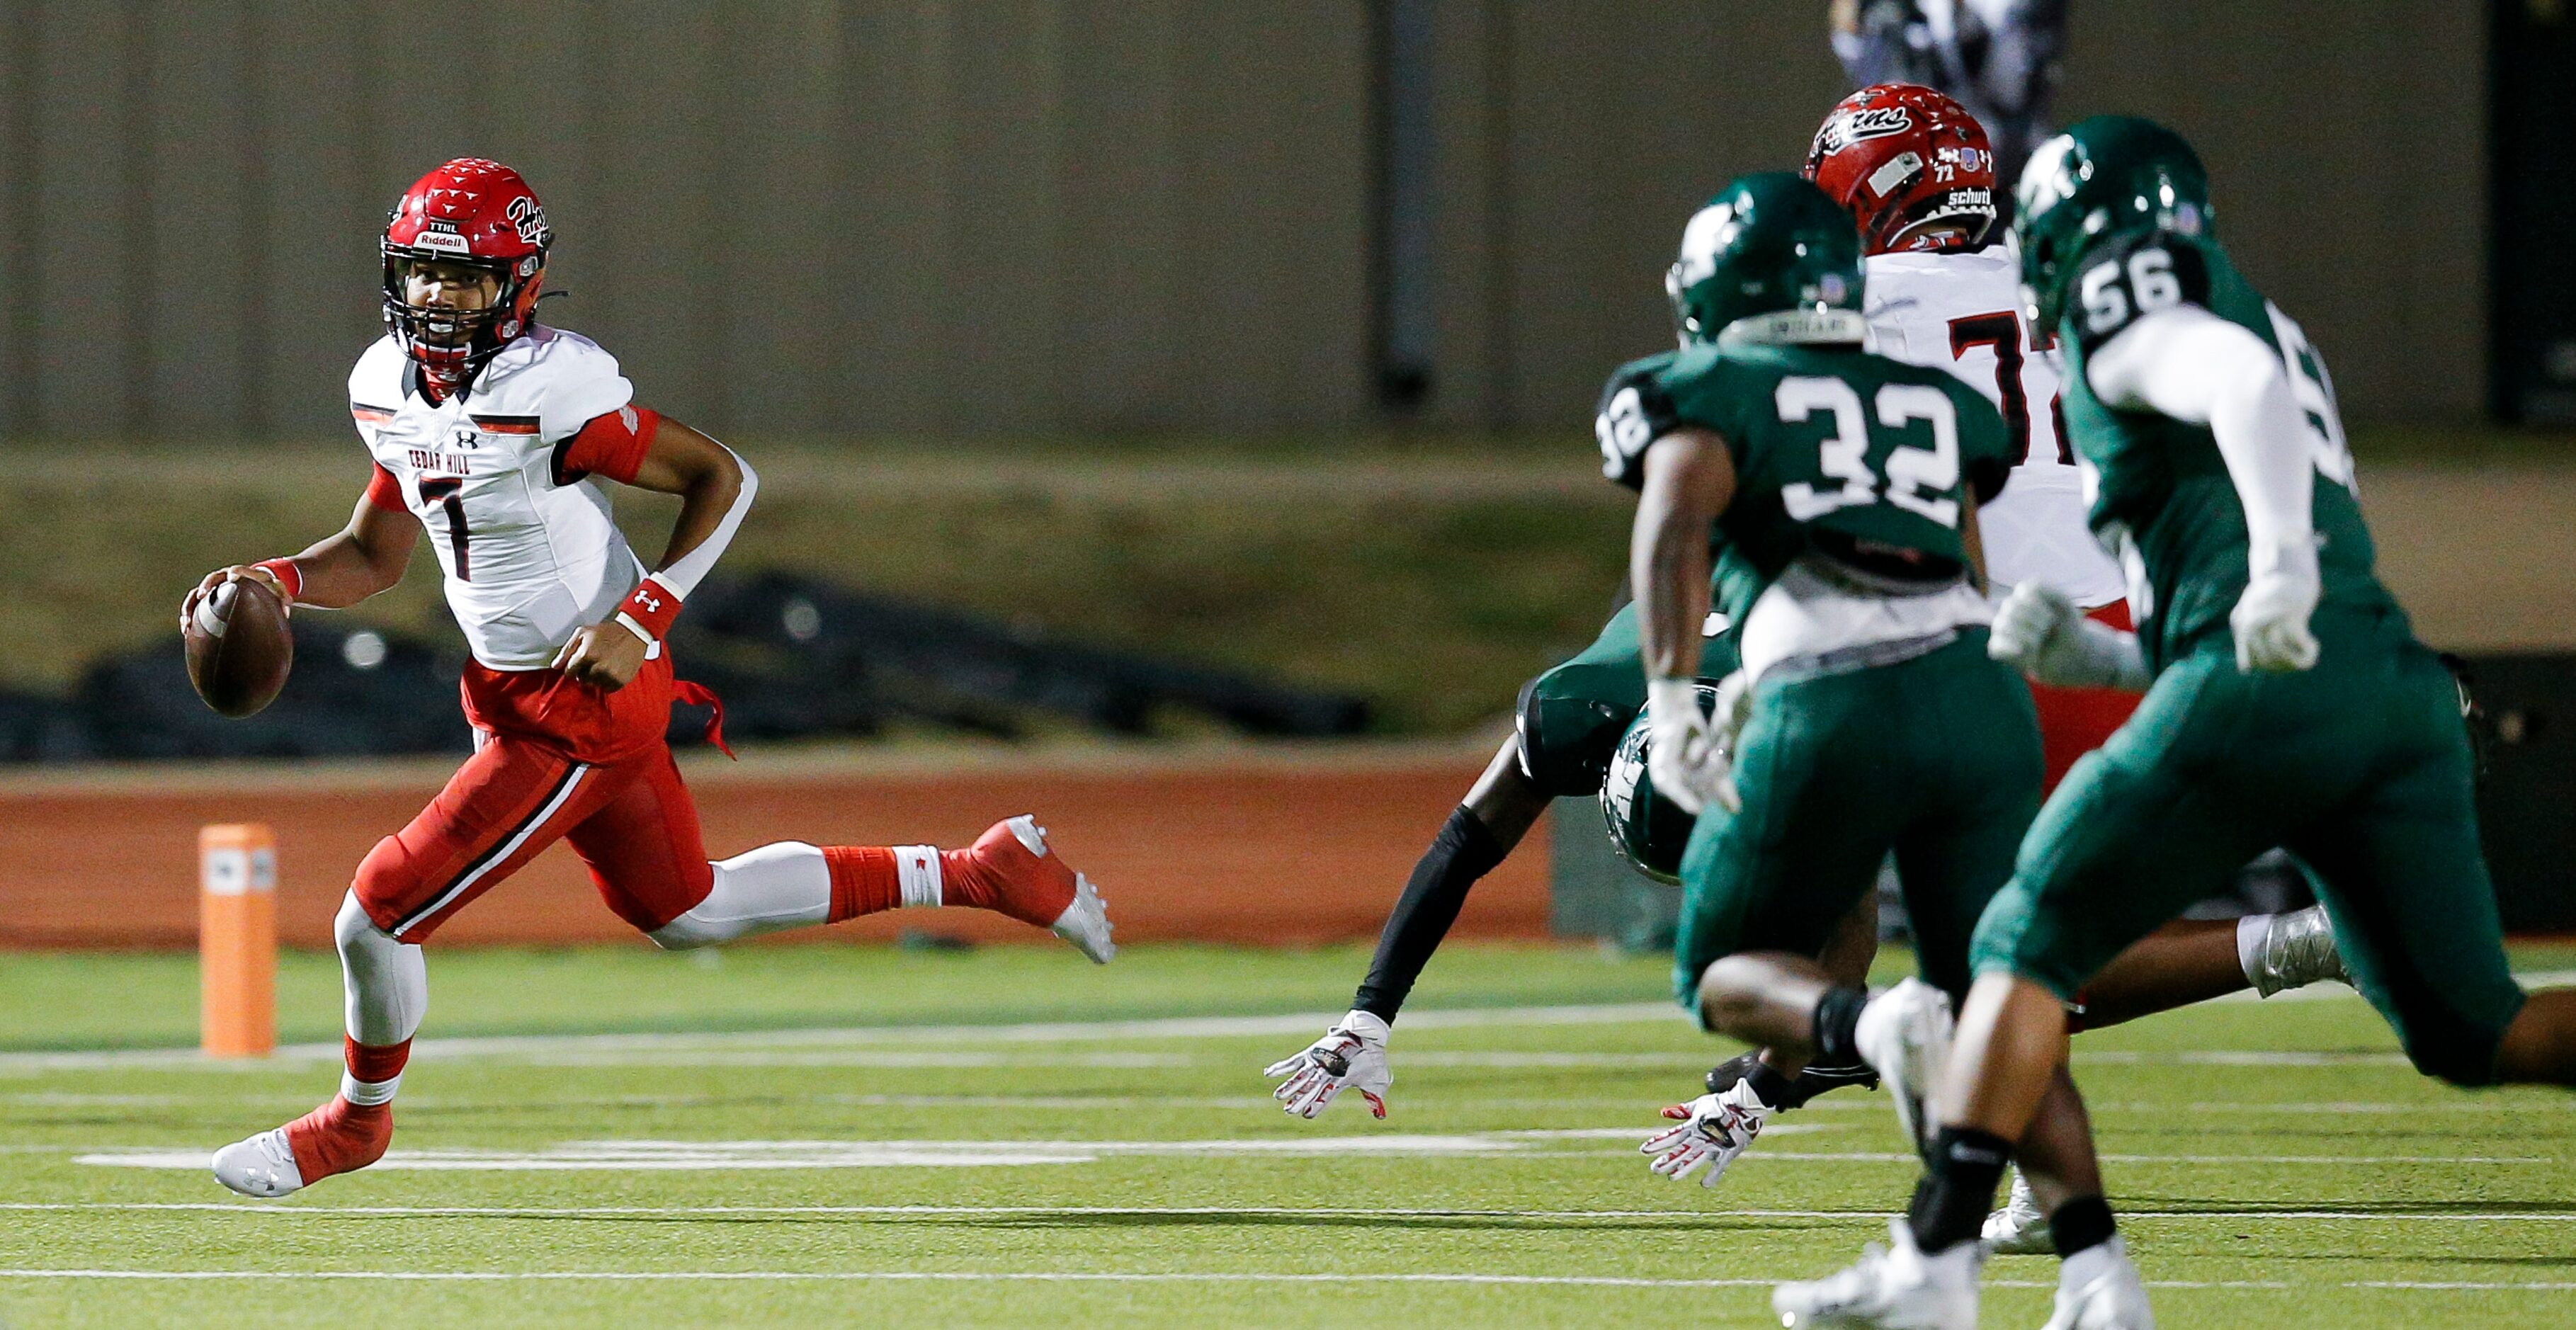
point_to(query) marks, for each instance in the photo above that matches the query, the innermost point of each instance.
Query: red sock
(339, 1136)
(374, 1063)
(963, 880)
(864, 880)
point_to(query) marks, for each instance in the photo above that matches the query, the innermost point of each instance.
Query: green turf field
(2277, 1163)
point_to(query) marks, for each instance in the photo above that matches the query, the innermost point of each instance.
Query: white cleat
(1904, 1034)
(1894, 1287)
(1085, 923)
(2019, 1229)
(262, 1166)
(2099, 1289)
(2296, 949)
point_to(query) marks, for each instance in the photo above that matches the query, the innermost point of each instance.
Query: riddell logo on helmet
(445, 240)
(1876, 122)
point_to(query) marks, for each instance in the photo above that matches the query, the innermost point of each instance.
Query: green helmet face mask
(1769, 244)
(2107, 176)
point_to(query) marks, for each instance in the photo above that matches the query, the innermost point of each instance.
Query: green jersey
(2159, 491)
(1838, 452)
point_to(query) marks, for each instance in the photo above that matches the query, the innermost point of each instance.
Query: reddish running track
(1262, 846)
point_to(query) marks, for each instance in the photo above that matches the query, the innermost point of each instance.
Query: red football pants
(2075, 721)
(630, 819)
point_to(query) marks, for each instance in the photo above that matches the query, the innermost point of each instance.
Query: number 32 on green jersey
(1919, 480)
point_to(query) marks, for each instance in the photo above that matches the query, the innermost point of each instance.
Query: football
(239, 648)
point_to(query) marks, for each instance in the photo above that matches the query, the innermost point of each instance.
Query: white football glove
(2271, 619)
(1350, 1056)
(1683, 754)
(1712, 1129)
(2040, 632)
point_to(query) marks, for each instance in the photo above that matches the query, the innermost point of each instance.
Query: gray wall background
(791, 217)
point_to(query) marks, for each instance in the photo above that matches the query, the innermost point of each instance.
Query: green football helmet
(1649, 830)
(1770, 243)
(2107, 176)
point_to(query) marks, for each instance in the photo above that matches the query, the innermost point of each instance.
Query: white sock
(386, 982)
(368, 1092)
(779, 886)
(2092, 1263)
(386, 986)
(2250, 932)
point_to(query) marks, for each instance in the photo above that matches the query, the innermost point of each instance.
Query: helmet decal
(1876, 122)
(1710, 230)
(530, 219)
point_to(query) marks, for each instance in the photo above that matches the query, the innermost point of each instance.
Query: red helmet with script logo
(1908, 164)
(479, 215)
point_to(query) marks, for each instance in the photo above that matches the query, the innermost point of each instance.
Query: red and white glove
(1350, 1056)
(1712, 1129)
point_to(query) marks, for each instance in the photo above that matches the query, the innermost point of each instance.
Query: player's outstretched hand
(1683, 755)
(1350, 1056)
(2271, 619)
(2040, 632)
(603, 655)
(1712, 1130)
(239, 572)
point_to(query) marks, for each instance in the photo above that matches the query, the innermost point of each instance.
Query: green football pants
(1936, 759)
(2359, 766)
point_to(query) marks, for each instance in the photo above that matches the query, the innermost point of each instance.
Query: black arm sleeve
(1463, 852)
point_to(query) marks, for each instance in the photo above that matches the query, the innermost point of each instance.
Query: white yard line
(662, 1156)
(1175, 1277)
(297, 1210)
(754, 1047)
(595, 1045)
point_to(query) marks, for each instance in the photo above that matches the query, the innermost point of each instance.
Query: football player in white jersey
(1915, 171)
(503, 440)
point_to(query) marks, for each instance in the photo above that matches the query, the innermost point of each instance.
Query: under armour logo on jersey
(467, 437)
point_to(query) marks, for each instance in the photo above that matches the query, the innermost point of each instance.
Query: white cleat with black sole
(1895, 1287)
(262, 1166)
(1904, 1034)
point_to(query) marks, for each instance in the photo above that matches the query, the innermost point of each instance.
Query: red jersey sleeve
(611, 445)
(386, 492)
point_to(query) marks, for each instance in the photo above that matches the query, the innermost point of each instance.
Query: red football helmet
(1898, 156)
(479, 214)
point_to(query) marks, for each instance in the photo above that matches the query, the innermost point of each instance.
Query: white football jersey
(530, 554)
(1962, 313)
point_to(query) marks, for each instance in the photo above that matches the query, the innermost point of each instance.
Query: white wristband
(1366, 1025)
